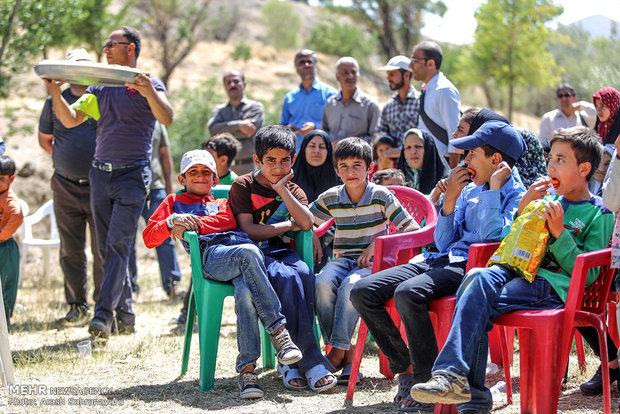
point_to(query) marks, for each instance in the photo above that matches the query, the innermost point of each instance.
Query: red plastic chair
(545, 336)
(390, 251)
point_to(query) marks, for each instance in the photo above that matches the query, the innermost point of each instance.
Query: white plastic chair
(27, 240)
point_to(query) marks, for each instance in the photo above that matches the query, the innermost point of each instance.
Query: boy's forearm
(260, 232)
(300, 213)
(409, 227)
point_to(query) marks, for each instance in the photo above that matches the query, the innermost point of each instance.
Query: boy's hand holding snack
(459, 178)
(535, 192)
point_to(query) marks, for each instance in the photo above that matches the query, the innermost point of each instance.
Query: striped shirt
(358, 225)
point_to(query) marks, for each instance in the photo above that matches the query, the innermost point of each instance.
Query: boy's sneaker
(248, 386)
(77, 313)
(286, 351)
(443, 387)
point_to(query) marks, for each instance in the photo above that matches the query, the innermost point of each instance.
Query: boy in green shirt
(578, 222)
(224, 148)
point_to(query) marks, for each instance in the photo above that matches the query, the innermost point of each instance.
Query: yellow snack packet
(524, 248)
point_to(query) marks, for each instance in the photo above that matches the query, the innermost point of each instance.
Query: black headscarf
(483, 116)
(434, 165)
(315, 180)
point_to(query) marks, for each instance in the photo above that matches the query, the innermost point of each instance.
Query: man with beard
(302, 110)
(350, 113)
(241, 117)
(401, 113)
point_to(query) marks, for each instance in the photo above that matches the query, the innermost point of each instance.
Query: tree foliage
(282, 24)
(28, 28)
(396, 23)
(332, 37)
(509, 48)
(176, 26)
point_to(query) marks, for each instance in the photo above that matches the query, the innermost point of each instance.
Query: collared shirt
(358, 117)
(225, 117)
(556, 119)
(480, 215)
(400, 116)
(441, 104)
(301, 106)
(358, 225)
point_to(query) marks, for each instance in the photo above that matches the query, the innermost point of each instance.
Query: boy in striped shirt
(362, 212)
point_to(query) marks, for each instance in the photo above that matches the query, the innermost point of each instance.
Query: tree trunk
(7, 35)
(511, 88)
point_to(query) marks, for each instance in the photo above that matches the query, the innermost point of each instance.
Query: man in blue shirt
(303, 106)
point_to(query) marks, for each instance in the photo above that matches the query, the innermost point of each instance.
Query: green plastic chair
(207, 301)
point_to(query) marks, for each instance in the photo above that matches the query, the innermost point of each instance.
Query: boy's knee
(250, 253)
(409, 296)
(358, 294)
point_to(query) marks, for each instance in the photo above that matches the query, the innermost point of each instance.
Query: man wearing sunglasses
(120, 175)
(303, 106)
(569, 114)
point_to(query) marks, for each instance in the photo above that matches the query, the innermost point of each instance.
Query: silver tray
(86, 73)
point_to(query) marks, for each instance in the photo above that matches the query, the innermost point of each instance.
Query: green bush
(242, 51)
(338, 39)
(193, 107)
(282, 24)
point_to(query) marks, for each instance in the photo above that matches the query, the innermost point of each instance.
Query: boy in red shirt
(10, 219)
(228, 256)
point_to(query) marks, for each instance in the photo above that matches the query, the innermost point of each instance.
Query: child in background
(266, 205)
(384, 153)
(362, 212)
(228, 256)
(391, 176)
(10, 219)
(596, 182)
(224, 148)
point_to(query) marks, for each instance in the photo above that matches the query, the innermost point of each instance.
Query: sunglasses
(565, 95)
(112, 43)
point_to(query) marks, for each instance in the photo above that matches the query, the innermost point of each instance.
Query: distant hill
(599, 26)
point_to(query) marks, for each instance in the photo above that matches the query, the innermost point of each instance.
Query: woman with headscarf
(531, 165)
(314, 170)
(421, 162)
(607, 100)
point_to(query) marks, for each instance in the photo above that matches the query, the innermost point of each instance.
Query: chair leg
(357, 360)
(209, 324)
(581, 356)
(547, 364)
(495, 349)
(269, 360)
(526, 346)
(189, 328)
(602, 340)
(505, 361)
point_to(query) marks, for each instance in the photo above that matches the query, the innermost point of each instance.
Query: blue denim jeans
(293, 282)
(244, 266)
(486, 294)
(337, 316)
(117, 199)
(166, 254)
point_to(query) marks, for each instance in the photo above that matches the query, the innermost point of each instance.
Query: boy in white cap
(228, 256)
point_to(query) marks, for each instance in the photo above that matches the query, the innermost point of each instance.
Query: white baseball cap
(397, 62)
(79, 55)
(198, 157)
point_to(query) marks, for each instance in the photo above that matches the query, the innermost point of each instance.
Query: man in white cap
(402, 111)
(72, 151)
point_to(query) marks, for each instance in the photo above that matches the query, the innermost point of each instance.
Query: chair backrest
(594, 297)
(396, 249)
(47, 209)
(416, 203)
(479, 254)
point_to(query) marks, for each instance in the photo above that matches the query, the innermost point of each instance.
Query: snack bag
(524, 248)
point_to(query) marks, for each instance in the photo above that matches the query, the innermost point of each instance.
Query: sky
(458, 24)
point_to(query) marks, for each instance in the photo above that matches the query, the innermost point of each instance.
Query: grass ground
(140, 372)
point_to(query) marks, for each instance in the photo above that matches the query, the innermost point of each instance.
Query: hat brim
(390, 67)
(467, 143)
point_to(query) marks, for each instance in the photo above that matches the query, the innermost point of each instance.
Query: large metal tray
(86, 73)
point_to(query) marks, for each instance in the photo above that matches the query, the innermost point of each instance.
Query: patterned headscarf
(611, 98)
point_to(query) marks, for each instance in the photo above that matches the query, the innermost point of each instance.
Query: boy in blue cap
(472, 212)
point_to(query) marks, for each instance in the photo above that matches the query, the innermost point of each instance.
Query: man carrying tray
(120, 175)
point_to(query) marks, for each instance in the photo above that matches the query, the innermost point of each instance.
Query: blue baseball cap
(497, 134)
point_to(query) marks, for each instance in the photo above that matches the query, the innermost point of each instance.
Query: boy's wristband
(170, 220)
